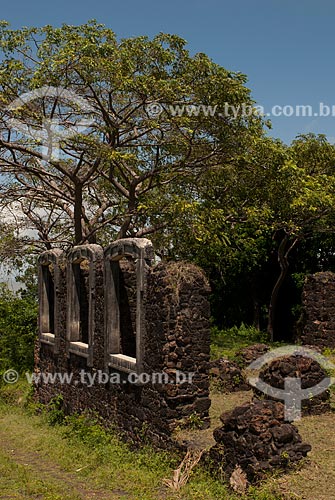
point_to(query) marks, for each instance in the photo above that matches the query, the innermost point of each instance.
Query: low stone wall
(255, 438)
(310, 373)
(229, 375)
(226, 376)
(317, 325)
(247, 355)
(175, 340)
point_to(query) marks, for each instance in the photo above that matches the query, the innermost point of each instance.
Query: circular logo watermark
(58, 127)
(154, 109)
(293, 394)
(10, 376)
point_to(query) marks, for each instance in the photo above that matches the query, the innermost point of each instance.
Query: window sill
(122, 363)
(79, 348)
(47, 338)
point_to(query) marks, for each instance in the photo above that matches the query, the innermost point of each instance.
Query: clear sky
(285, 47)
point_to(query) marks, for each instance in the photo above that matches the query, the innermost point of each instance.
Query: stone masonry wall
(256, 438)
(176, 339)
(318, 299)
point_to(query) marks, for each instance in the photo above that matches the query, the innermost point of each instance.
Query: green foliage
(225, 343)
(18, 326)
(54, 410)
(270, 203)
(328, 352)
(195, 421)
(18, 393)
(208, 189)
(86, 428)
(118, 176)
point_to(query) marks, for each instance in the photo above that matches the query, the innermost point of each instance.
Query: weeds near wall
(183, 274)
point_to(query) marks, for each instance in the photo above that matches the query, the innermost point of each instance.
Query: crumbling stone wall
(256, 438)
(308, 370)
(250, 353)
(317, 325)
(177, 337)
(174, 338)
(227, 376)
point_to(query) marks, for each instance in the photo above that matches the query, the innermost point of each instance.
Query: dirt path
(48, 471)
(32, 469)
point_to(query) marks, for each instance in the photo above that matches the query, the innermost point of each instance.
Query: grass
(81, 461)
(226, 343)
(21, 481)
(313, 480)
(316, 480)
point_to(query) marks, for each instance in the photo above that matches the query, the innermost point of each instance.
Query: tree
(113, 179)
(273, 199)
(302, 203)
(226, 230)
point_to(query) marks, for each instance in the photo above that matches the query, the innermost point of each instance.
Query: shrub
(18, 328)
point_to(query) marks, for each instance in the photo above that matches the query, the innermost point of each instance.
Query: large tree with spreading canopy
(145, 136)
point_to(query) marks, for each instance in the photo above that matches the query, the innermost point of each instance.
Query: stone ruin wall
(317, 326)
(141, 318)
(256, 437)
(113, 312)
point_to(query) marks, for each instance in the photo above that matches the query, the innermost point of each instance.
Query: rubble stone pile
(227, 376)
(249, 354)
(310, 373)
(256, 438)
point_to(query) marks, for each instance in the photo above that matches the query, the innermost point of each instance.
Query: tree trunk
(256, 316)
(284, 265)
(78, 204)
(131, 209)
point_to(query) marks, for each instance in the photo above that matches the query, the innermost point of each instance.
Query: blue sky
(285, 47)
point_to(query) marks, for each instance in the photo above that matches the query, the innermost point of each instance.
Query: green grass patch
(79, 459)
(225, 343)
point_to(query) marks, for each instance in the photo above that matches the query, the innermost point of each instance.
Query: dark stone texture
(249, 354)
(176, 339)
(227, 376)
(255, 437)
(317, 324)
(310, 372)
